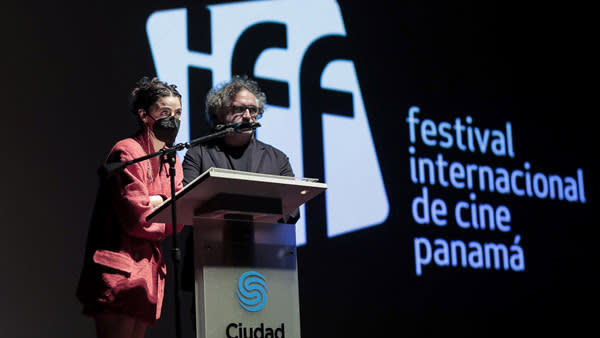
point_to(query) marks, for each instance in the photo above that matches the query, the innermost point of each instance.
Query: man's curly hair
(219, 99)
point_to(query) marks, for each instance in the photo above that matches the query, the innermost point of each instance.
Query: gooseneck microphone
(237, 127)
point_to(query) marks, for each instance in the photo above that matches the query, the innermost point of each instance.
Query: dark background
(67, 68)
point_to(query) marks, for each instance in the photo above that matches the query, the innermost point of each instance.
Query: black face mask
(166, 129)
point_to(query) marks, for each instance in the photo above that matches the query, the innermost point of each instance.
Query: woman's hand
(155, 200)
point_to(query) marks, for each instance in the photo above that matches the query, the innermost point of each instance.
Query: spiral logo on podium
(252, 291)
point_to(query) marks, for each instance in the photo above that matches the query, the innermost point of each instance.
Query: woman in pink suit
(123, 277)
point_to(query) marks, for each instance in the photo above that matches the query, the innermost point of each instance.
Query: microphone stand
(168, 155)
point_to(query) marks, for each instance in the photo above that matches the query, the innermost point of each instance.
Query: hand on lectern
(155, 200)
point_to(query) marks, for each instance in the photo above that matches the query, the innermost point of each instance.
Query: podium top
(218, 192)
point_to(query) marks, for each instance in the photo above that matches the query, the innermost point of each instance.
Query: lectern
(244, 261)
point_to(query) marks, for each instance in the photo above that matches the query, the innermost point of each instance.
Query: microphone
(245, 126)
(237, 127)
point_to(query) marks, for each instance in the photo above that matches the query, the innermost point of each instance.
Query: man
(237, 101)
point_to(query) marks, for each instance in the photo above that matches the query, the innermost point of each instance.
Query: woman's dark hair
(148, 91)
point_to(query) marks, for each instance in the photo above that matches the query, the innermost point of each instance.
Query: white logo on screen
(356, 196)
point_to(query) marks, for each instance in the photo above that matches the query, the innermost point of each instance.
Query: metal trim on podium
(245, 263)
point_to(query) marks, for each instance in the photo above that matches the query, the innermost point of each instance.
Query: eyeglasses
(240, 110)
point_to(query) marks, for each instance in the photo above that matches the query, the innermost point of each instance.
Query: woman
(123, 277)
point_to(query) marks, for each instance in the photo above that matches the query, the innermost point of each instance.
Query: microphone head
(111, 168)
(246, 126)
(238, 127)
(219, 127)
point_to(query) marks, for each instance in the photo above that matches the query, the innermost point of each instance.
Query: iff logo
(297, 51)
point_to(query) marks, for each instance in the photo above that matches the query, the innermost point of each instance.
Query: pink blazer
(123, 269)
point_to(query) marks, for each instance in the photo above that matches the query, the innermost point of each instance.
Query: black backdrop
(67, 68)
